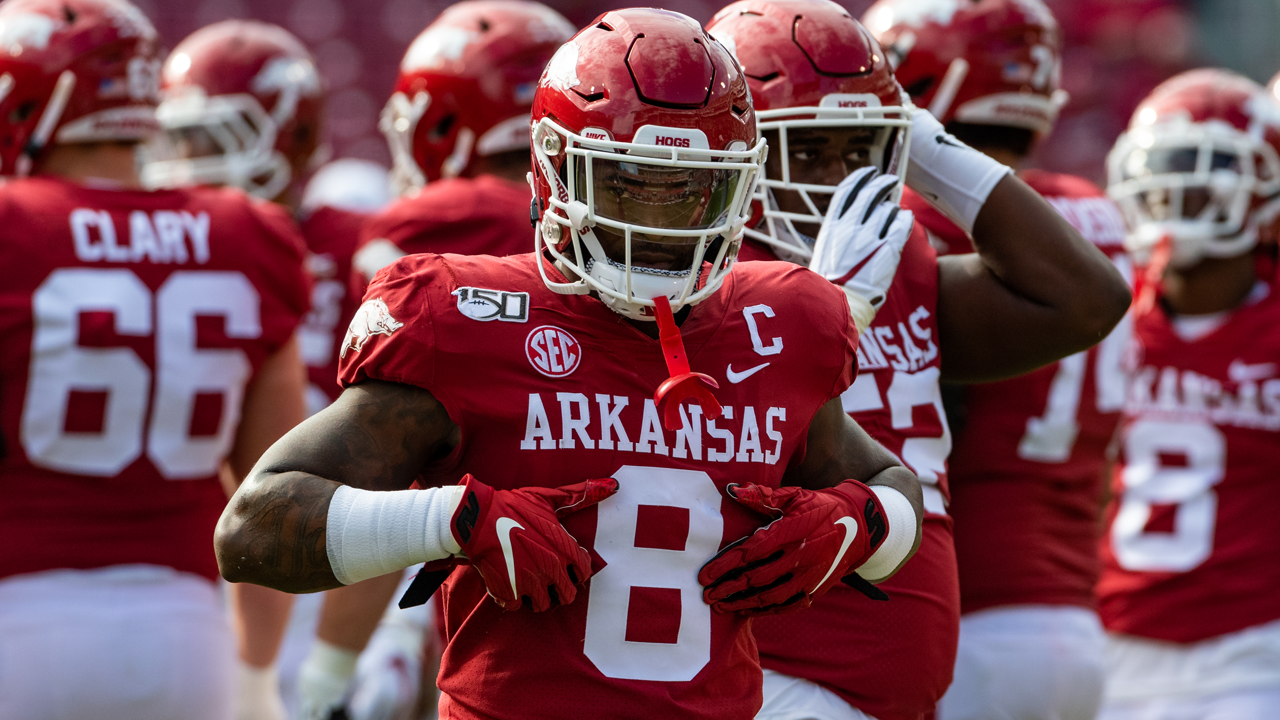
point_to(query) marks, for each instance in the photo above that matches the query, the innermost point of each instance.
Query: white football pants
(1230, 677)
(793, 698)
(1027, 662)
(129, 642)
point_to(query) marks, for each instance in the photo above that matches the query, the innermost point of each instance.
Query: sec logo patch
(552, 351)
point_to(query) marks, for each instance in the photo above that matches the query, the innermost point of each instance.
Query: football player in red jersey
(1190, 566)
(538, 370)
(1029, 453)
(822, 82)
(457, 126)
(242, 104)
(150, 347)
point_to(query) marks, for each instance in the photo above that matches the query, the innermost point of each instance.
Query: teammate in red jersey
(1190, 567)
(822, 82)
(538, 370)
(458, 130)
(149, 347)
(242, 106)
(1029, 453)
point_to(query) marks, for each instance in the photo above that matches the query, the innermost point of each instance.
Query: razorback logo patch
(373, 318)
(488, 305)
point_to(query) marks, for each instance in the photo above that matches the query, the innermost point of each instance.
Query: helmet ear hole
(22, 112)
(442, 128)
(920, 87)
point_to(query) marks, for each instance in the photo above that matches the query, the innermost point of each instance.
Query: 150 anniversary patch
(488, 305)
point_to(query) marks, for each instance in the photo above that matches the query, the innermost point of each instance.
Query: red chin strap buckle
(682, 384)
(1144, 296)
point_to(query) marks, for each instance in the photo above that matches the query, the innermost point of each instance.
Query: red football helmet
(74, 71)
(242, 107)
(809, 64)
(645, 156)
(1200, 165)
(465, 87)
(986, 62)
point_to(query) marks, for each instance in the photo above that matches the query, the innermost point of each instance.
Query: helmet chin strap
(683, 383)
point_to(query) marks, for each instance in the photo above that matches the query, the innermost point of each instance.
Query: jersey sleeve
(285, 285)
(391, 336)
(831, 341)
(846, 339)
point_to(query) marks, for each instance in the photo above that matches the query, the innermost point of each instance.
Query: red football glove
(817, 538)
(515, 539)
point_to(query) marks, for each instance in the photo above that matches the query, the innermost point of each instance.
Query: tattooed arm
(838, 448)
(376, 436)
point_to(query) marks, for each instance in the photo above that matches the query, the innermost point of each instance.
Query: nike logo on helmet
(504, 526)
(850, 532)
(737, 377)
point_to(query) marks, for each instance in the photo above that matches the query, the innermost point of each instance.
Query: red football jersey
(892, 660)
(552, 389)
(132, 323)
(1029, 458)
(1192, 546)
(331, 235)
(485, 215)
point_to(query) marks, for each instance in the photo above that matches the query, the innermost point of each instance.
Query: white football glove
(861, 241)
(324, 679)
(258, 693)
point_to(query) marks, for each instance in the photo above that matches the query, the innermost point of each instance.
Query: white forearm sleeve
(952, 176)
(371, 533)
(902, 534)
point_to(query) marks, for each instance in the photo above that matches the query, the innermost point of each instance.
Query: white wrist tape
(902, 534)
(860, 310)
(952, 176)
(371, 533)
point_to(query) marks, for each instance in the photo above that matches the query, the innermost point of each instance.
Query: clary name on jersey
(163, 236)
(1250, 400)
(609, 422)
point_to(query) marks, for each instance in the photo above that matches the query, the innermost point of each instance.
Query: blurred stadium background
(1116, 51)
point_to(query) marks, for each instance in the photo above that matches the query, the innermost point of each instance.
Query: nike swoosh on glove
(816, 538)
(862, 237)
(515, 540)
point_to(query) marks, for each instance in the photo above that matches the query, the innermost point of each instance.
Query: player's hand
(816, 538)
(515, 539)
(862, 237)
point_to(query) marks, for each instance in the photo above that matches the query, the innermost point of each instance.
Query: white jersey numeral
(631, 568)
(1147, 482)
(1050, 437)
(60, 367)
(926, 456)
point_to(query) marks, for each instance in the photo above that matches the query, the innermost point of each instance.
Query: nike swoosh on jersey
(504, 527)
(735, 377)
(850, 532)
